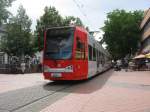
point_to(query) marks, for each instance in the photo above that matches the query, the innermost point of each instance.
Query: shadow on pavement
(43, 95)
(81, 87)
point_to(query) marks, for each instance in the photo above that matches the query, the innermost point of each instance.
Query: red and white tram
(70, 53)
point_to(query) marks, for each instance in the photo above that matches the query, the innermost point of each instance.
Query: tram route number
(56, 75)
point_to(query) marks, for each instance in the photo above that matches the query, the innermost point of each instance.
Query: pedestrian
(148, 64)
(126, 65)
(119, 64)
(23, 67)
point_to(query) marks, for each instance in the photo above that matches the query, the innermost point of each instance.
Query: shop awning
(147, 55)
(139, 56)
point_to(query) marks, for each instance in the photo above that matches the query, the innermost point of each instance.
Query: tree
(50, 18)
(76, 21)
(18, 40)
(4, 13)
(122, 32)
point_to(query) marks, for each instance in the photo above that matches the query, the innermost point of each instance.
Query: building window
(146, 42)
(147, 26)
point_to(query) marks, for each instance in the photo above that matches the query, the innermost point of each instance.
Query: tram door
(80, 52)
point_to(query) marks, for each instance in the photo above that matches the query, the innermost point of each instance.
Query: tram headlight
(46, 68)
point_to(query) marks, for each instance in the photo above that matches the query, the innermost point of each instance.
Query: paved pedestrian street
(108, 92)
(10, 82)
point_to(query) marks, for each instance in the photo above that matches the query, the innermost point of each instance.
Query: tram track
(38, 99)
(35, 98)
(15, 100)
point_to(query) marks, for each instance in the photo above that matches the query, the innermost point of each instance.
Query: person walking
(126, 65)
(23, 67)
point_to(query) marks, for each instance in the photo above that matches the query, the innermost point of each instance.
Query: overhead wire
(80, 7)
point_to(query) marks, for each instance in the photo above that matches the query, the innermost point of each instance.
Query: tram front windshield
(59, 43)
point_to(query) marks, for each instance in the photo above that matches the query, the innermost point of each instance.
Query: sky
(92, 12)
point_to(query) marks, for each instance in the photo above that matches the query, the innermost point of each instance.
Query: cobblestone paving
(14, 100)
(9, 82)
(111, 92)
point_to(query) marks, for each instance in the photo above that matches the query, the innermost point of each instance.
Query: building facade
(3, 56)
(145, 29)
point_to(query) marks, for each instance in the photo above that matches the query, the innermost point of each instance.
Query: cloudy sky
(92, 12)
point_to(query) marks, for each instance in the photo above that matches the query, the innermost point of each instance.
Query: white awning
(139, 56)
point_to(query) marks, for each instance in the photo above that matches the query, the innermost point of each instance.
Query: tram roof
(61, 27)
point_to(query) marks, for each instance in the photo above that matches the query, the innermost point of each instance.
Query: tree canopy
(68, 19)
(122, 32)
(4, 13)
(18, 39)
(51, 18)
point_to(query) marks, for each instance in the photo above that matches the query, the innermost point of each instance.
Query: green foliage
(50, 18)
(122, 32)
(70, 19)
(18, 39)
(4, 13)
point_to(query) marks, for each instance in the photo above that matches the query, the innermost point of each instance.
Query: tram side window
(99, 56)
(80, 50)
(103, 59)
(94, 54)
(90, 52)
